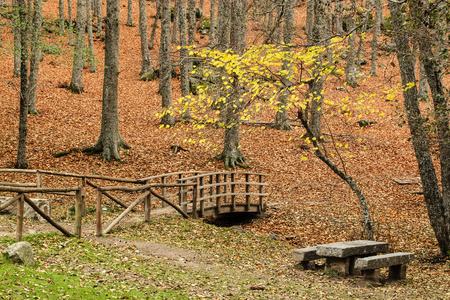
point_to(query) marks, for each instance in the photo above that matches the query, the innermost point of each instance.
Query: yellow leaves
(304, 158)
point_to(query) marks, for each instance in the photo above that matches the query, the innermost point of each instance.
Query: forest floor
(308, 203)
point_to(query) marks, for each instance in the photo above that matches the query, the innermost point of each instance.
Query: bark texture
(16, 33)
(165, 61)
(232, 153)
(147, 72)
(437, 203)
(79, 56)
(21, 162)
(61, 17)
(281, 118)
(36, 56)
(316, 86)
(130, 13)
(92, 59)
(350, 70)
(110, 140)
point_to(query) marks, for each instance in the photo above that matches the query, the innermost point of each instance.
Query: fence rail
(192, 194)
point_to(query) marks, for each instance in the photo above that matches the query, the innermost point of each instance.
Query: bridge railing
(226, 192)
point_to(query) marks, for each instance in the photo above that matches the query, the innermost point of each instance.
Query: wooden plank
(261, 187)
(123, 214)
(37, 190)
(147, 207)
(38, 183)
(98, 213)
(108, 195)
(47, 218)
(247, 191)
(163, 190)
(20, 209)
(233, 191)
(78, 213)
(234, 194)
(18, 184)
(17, 171)
(178, 209)
(10, 202)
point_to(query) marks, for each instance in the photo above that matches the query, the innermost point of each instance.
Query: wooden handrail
(231, 194)
(18, 184)
(170, 174)
(220, 173)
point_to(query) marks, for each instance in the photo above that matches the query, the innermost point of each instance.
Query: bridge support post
(98, 213)
(147, 207)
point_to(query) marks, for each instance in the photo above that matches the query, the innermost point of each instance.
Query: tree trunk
(176, 22)
(155, 24)
(70, 20)
(212, 22)
(281, 118)
(16, 33)
(23, 113)
(61, 17)
(110, 139)
(338, 10)
(147, 72)
(316, 87)
(92, 59)
(192, 22)
(350, 70)
(200, 8)
(223, 25)
(376, 34)
(130, 13)
(423, 83)
(165, 71)
(79, 57)
(431, 191)
(232, 152)
(309, 21)
(35, 56)
(184, 61)
(98, 17)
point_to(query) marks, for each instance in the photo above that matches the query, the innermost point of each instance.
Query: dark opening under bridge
(193, 194)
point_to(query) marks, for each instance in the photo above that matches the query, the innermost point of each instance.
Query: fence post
(38, 183)
(194, 200)
(20, 208)
(211, 189)
(247, 191)
(225, 187)
(163, 190)
(83, 197)
(147, 207)
(98, 213)
(78, 212)
(233, 190)
(261, 187)
(217, 193)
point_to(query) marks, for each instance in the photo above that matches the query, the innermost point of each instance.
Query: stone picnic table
(355, 258)
(341, 256)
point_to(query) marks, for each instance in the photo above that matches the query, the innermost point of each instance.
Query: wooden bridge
(192, 194)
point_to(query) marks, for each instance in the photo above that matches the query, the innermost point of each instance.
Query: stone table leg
(339, 265)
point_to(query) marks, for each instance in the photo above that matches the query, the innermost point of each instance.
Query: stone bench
(305, 256)
(370, 266)
(28, 212)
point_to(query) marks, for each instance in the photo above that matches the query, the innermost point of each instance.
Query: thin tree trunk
(176, 22)
(79, 57)
(376, 34)
(147, 72)
(309, 21)
(165, 71)
(151, 43)
(316, 87)
(92, 59)
(200, 8)
(16, 33)
(61, 17)
(338, 10)
(70, 20)
(281, 118)
(184, 61)
(35, 56)
(368, 223)
(192, 22)
(23, 114)
(212, 22)
(130, 13)
(110, 140)
(431, 191)
(98, 17)
(423, 83)
(350, 70)
(223, 25)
